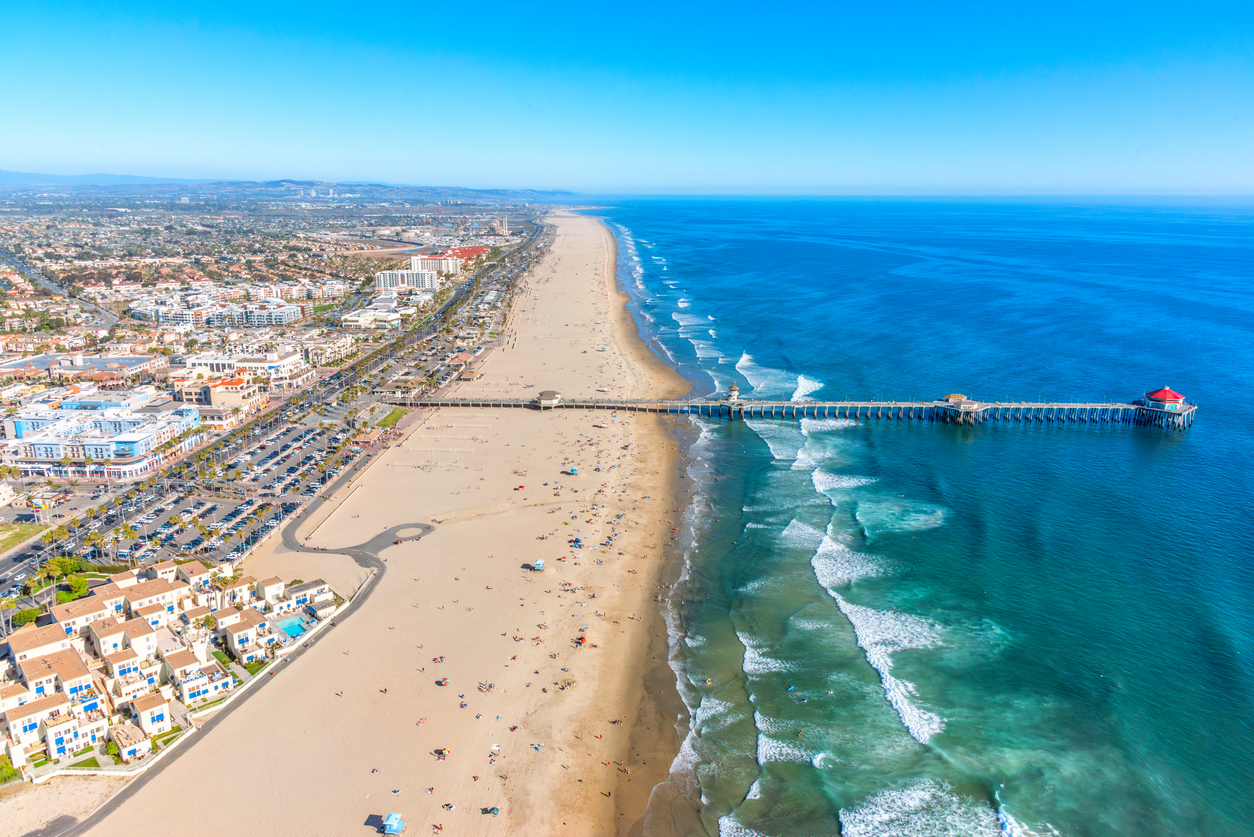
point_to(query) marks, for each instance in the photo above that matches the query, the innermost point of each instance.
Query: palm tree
(131, 534)
(6, 614)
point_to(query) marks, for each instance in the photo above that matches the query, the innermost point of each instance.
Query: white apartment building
(437, 264)
(284, 368)
(412, 279)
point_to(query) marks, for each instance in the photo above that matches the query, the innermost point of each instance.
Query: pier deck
(944, 411)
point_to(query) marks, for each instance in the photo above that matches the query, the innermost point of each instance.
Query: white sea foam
(713, 714)
(773, 749)
(836, 565)
(800, 535)
(809, 425)
(758, 662)
(923, 808)
(705, 348)
(784, 440)
(880, 634)
(808, 459)
(755, 790)
(805, 386)
(825, 481)
(756, 526)
(687, 320)
(766, 382)
(729, 826)
(684, 303)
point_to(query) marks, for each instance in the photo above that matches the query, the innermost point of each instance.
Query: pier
(1167, 411)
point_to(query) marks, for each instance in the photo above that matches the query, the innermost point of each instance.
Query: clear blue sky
(804, 98)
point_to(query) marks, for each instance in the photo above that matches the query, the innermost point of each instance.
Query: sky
(833, 98)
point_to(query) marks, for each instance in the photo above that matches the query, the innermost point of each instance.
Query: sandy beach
(543, 670)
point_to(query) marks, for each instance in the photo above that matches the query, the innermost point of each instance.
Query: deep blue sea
(891, 628)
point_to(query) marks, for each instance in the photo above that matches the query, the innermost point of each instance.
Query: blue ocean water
(889, 628)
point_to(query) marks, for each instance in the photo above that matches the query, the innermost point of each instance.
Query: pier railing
(947, 412)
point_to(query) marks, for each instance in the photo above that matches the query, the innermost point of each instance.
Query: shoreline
(653, 741)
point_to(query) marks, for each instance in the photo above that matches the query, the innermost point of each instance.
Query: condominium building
(283, 369)
(427, 280)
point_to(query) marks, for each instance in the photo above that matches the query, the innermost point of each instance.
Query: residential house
(28, 641)
(310, 591)
(152, 713)
(75, 616)
(61, 671)
(131, 741)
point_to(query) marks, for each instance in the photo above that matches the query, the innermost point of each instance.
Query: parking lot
(261, 480)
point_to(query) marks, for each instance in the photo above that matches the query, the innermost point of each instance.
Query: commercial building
(78, 366)
(283, 369)
(114, 435)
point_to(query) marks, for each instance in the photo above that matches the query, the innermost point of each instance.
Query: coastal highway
(104, 317)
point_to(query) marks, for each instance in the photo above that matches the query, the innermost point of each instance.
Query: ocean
(895, 628)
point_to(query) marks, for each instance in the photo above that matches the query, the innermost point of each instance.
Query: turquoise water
(909, 629)
(293, 626)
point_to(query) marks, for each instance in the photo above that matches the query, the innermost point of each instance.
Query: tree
(6, 606)
(78, 585)
(24, 617)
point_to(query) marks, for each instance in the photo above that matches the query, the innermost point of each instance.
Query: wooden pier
(950, 410)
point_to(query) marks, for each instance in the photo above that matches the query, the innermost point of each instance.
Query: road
(247, 436)
(104, 317)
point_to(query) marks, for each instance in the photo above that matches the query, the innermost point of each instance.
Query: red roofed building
(1163, 399)
(467, 253)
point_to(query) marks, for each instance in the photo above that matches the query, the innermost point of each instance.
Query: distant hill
(120, 185)
(21, 178)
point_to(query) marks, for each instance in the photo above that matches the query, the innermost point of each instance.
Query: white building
(283, 368)
(438, 264)
(411, 279)
(371, 318)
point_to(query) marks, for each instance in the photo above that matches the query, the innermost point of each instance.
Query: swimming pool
(293, 626)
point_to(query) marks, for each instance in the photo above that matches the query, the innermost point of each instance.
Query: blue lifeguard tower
(392, 824)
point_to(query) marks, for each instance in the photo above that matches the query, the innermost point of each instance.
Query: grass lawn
(318, 309)
(253, 668)
(12, 534)
(91, 762)
(202, 707)
(393, 417)
(221, 657)
(173, 733)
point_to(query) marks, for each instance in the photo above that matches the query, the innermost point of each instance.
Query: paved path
(366, 555)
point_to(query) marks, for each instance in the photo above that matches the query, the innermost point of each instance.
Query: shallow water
(892, 628)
